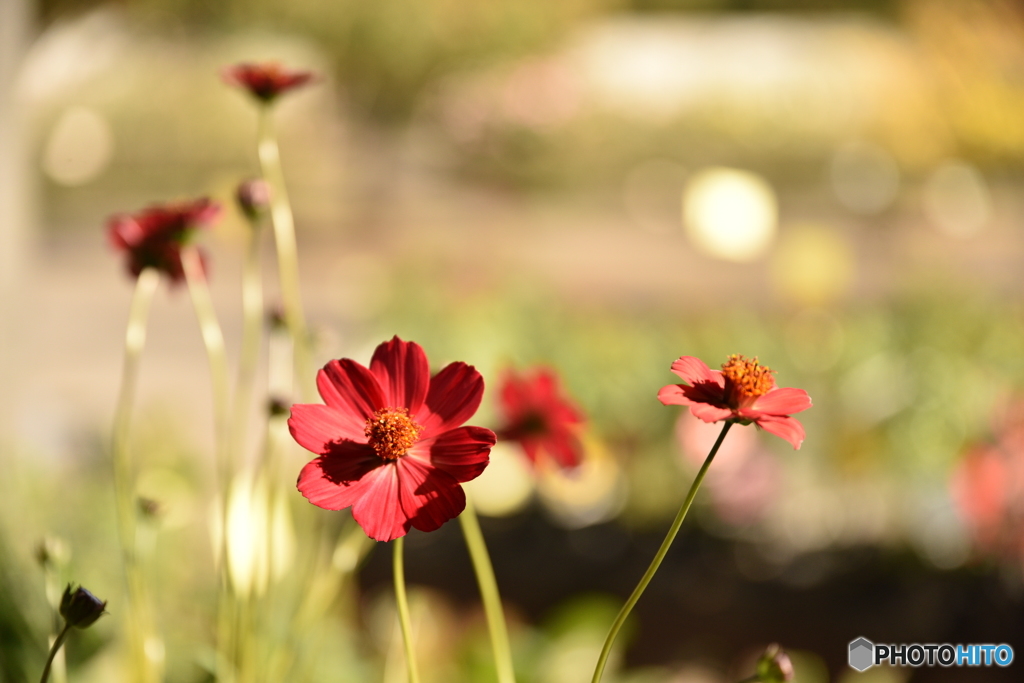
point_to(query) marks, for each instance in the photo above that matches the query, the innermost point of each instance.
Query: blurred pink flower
(267, 80)
(540, 417)
(153, 237)
(743, 391)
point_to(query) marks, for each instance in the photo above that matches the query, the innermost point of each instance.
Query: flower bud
(774, 666)
(253, 197)
(80, 608)
(277, 406)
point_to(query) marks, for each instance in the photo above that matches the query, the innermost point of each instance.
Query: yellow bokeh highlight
(813, 265)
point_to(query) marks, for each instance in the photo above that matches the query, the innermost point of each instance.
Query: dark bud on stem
(80, 608)
(774, 666)
(277, 406)
(253, 197)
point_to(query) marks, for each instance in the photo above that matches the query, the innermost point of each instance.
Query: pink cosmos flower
(390, 440)
(540, 417)
(267, 80)
(743, 391)
(153, 237)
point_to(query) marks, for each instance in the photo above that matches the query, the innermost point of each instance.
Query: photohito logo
(865, 654)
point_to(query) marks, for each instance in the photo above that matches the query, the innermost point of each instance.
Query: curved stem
(658, 557)
(252, 325)
(53, 651)
(488, 593)
(403, 608)
(124, 486)
(213, 341)
(287, 252)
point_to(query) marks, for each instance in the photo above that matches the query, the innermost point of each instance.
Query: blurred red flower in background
(540, 417)
(987, 486)
(267, 80)
(390, 440)
(153, 238)
(743, 391)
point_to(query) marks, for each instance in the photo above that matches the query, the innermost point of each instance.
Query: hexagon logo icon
(862, 654)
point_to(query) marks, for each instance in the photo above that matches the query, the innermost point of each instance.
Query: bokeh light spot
(730, 214)
(79, 147)
(813, 265)
(956, 199)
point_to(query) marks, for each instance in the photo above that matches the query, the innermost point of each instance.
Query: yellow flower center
(748, 378)
(391, 432)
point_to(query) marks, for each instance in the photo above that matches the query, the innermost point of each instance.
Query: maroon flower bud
(266, 81)
(80, 608)
(277, 406)
(774, 666)
(253, 197)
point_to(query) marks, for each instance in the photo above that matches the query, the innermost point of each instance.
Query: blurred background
(600, 186)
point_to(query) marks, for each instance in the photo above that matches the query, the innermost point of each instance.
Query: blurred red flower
(743, 391)
(390, 440)
(540, 417)
(153, 237)
(267, 80)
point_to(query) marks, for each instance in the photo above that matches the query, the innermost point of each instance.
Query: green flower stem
(488, 593)
(213, 341)
(287, 253)
(53, 651)
(124, 485)
(403, 608)
(252, 326)
(658, 557)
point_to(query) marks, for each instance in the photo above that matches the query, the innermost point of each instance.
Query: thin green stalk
(139, 626)
(403, 608)
(53, 651)
(213, 341)
(658, 557)
(488, 593)
(287, 252)
(252, 326)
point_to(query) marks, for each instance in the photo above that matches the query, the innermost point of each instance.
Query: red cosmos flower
(390, 440)
(744, 392)
(540, 417)
(266, 81)
(153, 237)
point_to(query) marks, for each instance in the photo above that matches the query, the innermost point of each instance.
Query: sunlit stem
(124, 485)
(213, 341)
(287, 252)
(252, 326)
(53, 651)
(488, 593)
(403, 609)
(658, 557)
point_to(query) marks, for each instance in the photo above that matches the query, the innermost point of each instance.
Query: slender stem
(287, 252)
(252, 325)
(403, 608)
(658, 557)
(53, 651)
(213, 341)
(124, 486)
(488, 593)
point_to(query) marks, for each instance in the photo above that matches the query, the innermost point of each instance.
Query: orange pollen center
(748, 377)
(391, 432)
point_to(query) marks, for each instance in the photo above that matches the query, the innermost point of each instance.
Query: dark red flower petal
(402, 370)
(378, 511)
(454, 395)
(430, 497)
(265, 81)
(462, 452)
(350, 388)
(315, 426)
(339, 478)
